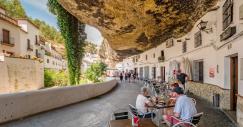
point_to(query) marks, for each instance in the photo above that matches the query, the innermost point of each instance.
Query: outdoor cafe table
(128, 123)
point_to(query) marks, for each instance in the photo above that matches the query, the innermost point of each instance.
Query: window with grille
(227, 13)
(184, 47)
(197, 39)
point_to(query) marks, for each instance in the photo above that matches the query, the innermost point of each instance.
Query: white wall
(212, 51)
(14, 32)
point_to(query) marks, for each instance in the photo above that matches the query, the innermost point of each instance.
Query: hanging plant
(72, 31)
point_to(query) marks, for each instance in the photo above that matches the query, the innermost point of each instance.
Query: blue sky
(38, 9)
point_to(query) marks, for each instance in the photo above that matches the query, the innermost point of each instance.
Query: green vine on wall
(72, 31)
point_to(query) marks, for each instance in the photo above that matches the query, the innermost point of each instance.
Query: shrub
(55, 78)
(95, 71)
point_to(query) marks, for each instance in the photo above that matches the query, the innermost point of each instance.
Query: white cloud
(40, 4)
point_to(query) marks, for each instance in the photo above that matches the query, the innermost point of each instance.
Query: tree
(90, 48)
(95, 71)
(13, 8)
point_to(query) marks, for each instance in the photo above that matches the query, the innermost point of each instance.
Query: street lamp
(203, 26)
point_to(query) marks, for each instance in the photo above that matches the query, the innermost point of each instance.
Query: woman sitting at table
(142, 103)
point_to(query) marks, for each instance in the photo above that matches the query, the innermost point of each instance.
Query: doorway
(234, 81)
(162, 73)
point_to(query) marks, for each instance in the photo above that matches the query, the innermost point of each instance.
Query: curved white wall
(19, 105)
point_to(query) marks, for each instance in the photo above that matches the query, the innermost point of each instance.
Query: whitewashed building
(19, 37)
(214, 50)
(53, 59)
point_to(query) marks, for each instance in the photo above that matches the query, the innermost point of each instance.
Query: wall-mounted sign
(241, 12)
(1, 57)
(169, 43)
(211, 72)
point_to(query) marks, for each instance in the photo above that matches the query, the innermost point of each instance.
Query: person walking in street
(121, 76)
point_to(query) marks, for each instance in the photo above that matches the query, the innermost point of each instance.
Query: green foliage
(55, 78)
(90, 48)
(95, 71)
(13, 8)
(69, 27)
(48, 32)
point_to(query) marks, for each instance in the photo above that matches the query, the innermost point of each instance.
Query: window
(36, 53)
(36, 39)
(227, 13)
(198, 71)
(146, 57)
(6, 38)
(154, 55)
(28, 43)
(47, 60)
(162, 53)
(154, 72)
(184, 47)
(197, 39)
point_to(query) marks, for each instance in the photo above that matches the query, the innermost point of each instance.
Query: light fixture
(203, 26)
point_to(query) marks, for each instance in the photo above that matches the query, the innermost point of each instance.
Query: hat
(178, 90)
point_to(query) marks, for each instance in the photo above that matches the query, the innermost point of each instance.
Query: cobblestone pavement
(212, 117)
(96, 112)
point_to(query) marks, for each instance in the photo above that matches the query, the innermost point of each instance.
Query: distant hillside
(14, 8)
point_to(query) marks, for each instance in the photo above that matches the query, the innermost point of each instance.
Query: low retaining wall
(206, 91)
(19, 105)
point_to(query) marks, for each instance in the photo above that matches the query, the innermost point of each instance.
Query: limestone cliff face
(133, 26)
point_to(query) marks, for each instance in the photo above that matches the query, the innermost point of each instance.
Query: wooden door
(234, 81)
(162, 73)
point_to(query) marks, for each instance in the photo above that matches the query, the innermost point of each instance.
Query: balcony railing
(161, 59)
(5, 17)
(37, 43)
(39, 55)
(10, 43)
(30, 47)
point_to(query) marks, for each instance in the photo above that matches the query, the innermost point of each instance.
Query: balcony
(10, 43)
(37, 43)
(38, 55)
(30, 48)
(161, 58)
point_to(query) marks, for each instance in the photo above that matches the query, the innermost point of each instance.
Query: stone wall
(240, 111)
(206, 91)
(18, 75)
(19, 105)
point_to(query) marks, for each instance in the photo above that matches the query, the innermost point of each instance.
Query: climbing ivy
(72, 31)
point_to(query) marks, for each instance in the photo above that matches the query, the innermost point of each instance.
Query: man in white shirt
(184, 109)
(142, 103)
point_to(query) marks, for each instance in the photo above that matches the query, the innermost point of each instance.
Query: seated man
(184, 108)
(142, 103)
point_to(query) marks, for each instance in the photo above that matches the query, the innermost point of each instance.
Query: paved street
(96, 112)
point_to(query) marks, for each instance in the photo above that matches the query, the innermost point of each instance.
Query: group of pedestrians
(127, 76)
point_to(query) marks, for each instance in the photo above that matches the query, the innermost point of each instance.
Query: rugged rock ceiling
(133, 26)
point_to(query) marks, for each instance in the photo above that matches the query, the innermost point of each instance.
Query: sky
(38, 9)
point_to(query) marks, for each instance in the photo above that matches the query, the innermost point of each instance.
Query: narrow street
(97, 112)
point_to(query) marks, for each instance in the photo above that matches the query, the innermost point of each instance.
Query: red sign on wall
(211, 72)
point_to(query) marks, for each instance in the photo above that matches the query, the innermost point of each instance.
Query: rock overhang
(133, 26)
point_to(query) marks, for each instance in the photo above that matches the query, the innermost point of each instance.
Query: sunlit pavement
(97, 112)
